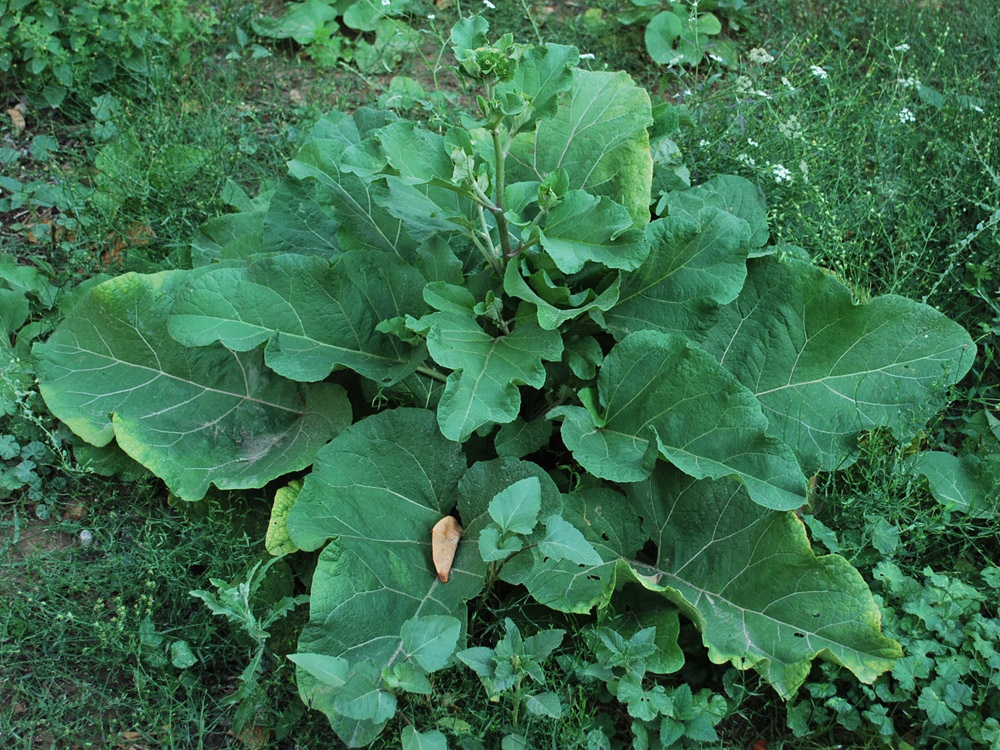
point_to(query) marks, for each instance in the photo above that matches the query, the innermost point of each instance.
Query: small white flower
(781, 173)
(489, 5)
(431, 16)
(908, 83)
(762, 94)
(703, 143)
(906, 115)
(817, 71)
(786, 83)
(804, 168)
(713, 56)
(746, 160)
(790, 128)
(753, 143)
(904, 47)
(587, 56)
(760, 55)
(744, 84)
(386, 3)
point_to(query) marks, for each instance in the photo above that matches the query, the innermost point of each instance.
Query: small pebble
(86, 538)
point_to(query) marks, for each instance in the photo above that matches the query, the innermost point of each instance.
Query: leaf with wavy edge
(734, 195)
(825, 368)
(659, 393)
(487, 370)
(749, 580)
(695, 265)
(364, 223)
(194, 417)
(598, 135)
(314, 316)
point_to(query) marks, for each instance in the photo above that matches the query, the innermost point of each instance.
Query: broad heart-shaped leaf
(825, 368)
(355, 203)
(314, 316)
(377, 490)
(660, 393)
(192, 416)
(695, 265)
(488, 370)
(585, 227)
(298, 222)
(748, 578)
(598, 135)
(963, 483)
(735, 195)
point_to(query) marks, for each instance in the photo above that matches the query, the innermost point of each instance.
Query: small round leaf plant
(485, 323)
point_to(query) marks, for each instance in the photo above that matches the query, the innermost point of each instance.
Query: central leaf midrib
(177, 378)
(300, 337)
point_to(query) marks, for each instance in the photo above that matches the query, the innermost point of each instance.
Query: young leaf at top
(194, 417)
(660, 393)
(314, 316)
(832, 368)
(747, 577)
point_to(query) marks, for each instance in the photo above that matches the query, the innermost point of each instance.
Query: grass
(891, 184)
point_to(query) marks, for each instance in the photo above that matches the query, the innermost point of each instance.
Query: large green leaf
(357, 204)
(299, 221)
(314, 316)
(749, 580)
(825, 368)
(192, 416)
(376, 490)
(658, 393)
(598, 135)
(585, 227)
(695, 265)
(487, 370)
(735, 195)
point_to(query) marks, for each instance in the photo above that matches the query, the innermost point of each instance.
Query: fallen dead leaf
(16, 119)
(75, 512)
(254, 738)
(444, 542)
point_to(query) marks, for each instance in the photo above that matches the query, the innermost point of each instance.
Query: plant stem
(432, 373)
(500, 213)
